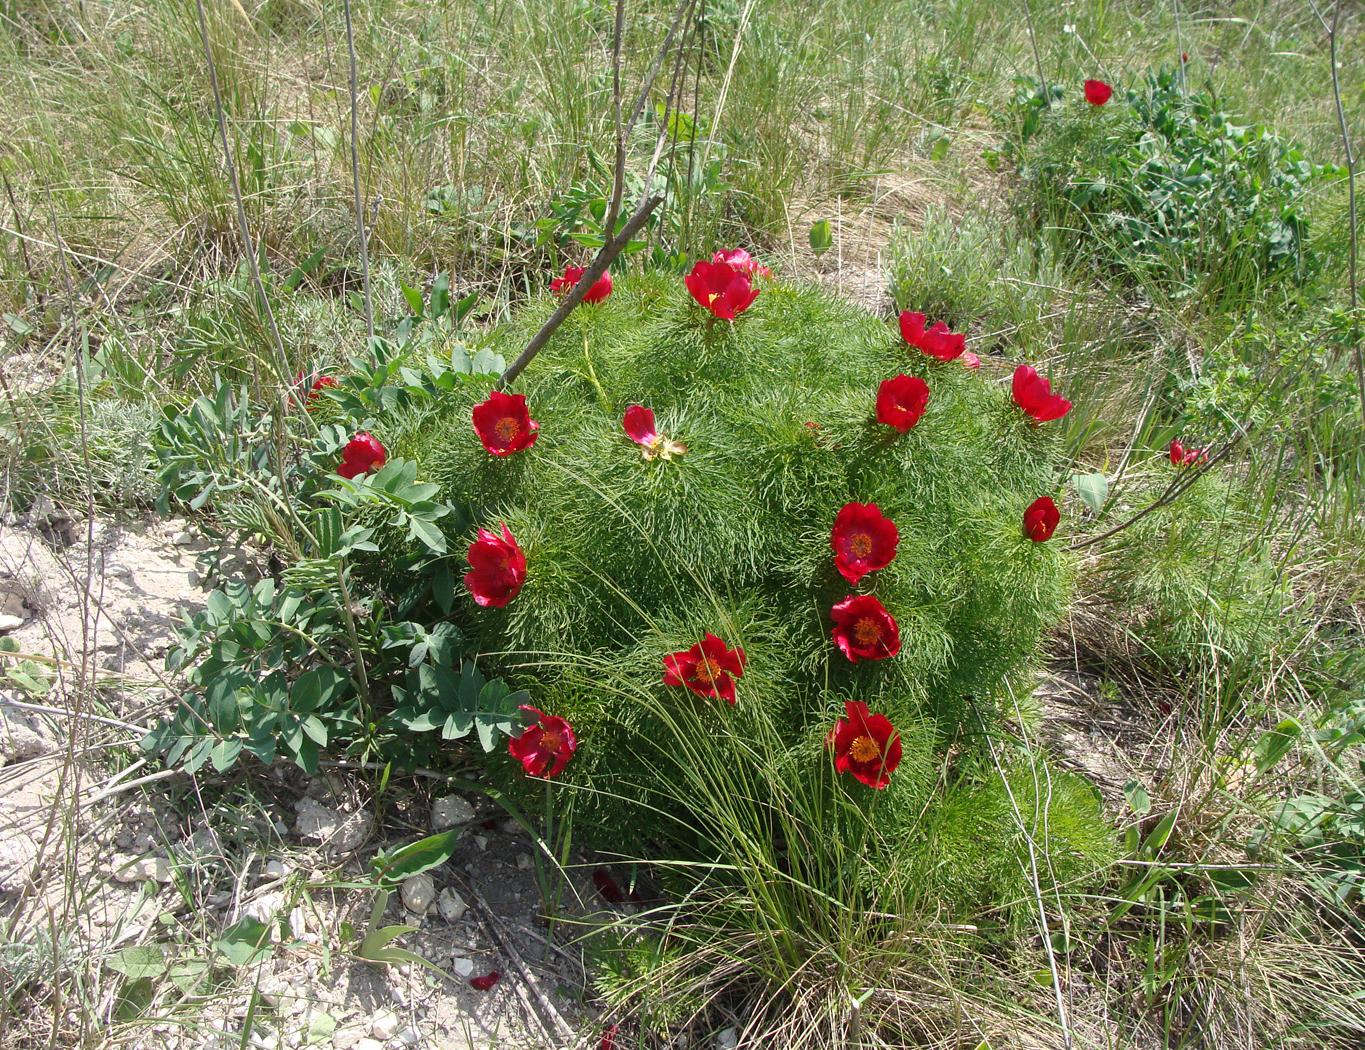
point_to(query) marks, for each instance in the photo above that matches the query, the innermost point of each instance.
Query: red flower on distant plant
(609, 1037)
(709, 668)
(864, 630)
(486, 982)
(1184, 57)
(362, 454)
(901, 401)
(722, 288)
(1097, 92)
(504, 424)
(742, 261)
(544, 747)
(320, 384)
(1040, 519)
(866, 746)
(936, 341)
(497, 568)
(863, 540)
(971, 360)
(1187, 457)
(1034, 395)
(607, 886)
(639, 426)
(601, 288)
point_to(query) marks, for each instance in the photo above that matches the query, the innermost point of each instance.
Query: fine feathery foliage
(632, 556)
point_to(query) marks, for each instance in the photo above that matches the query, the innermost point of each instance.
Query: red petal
(486, 982)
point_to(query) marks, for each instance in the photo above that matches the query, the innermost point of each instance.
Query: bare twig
(355, 174)
(547, 1008)
(618, 181)
(598, 267)
(243, 229)
(1037, 55)
(1350, 205)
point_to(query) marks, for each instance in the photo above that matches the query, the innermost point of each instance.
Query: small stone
(481, 841)
(464, 967)
(140, 869)
(276, 869)
(418, 892)
(9, 623)
(524, 861)
(340, 832)
(264, 908)
(449, 812)
(384, 1026)
(727, 1039)
(407, 1037)
(369, 1044)
(451, 905)
(183, 538)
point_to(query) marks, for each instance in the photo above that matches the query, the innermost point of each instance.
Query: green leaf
(224, 754)
(245, 942)
(1093, 490)
(140, 960)
(443, 586)
(416, 857)
(135, 999)
(821, 236)
(1274, 744)
(1138, 799)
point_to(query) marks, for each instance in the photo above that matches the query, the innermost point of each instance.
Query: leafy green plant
(1162, 184)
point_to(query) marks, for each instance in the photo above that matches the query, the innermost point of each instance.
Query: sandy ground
(116, 868)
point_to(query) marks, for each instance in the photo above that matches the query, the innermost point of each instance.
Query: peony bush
(730, 523)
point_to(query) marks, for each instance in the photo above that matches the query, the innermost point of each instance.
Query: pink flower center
(506, 428)
(867, 631)
(860, 544)
(865, 749)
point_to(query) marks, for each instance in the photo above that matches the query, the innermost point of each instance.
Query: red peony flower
(1187, 457)
(864, 540)
(601, 288)
(503, 423)
(709, 668)
(743, 262)
(864, 630)
(544, 747)
(1097, 92)
(609, 1037)
(971, 360)
(486, 982)
(901, 401)
(1184, 57)
(1040, 519)
(608, 887)
(866, 745)
(320, 384)
(937, 341)
(497, 569)
(722, 288)
(639, 426)
(362, 454)
(1034, 395)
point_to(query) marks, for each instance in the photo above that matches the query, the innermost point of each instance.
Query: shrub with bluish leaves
(1162, 184)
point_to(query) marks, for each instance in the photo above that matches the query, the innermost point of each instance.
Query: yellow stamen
(867, 631)
(865, 749)
(506, 428)
(860, 544)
